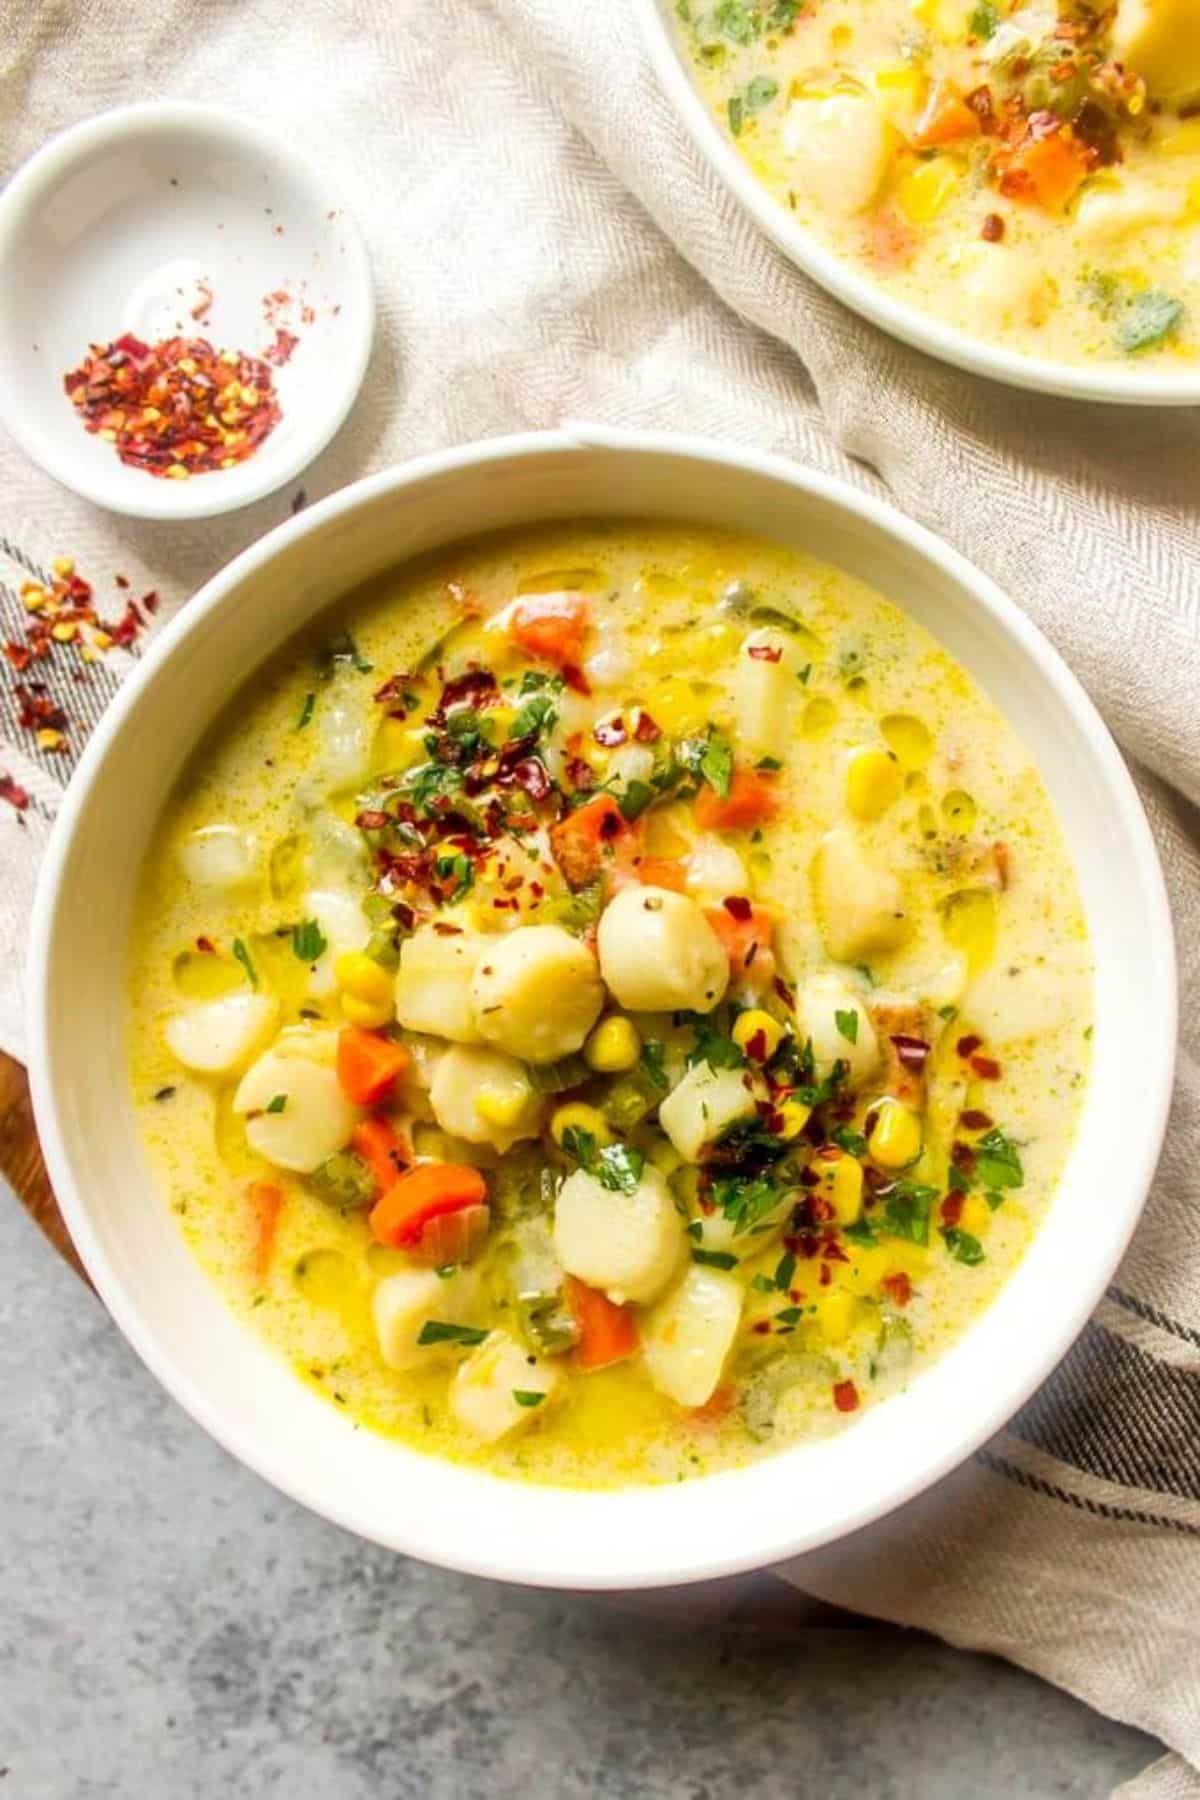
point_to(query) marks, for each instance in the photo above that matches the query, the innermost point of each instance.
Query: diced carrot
(368, 1064)
(266, 1204)
(945, 119)
(607, 1332)
(752, 799)
(663, 872)
(746, 940)
(718, 1405)
(586, 837)
(1046, 170)
(384, 1151)
(452, 1237)
(552, 626)
(427, 1191)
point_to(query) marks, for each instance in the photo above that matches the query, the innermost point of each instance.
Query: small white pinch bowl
(128, 223)
(231, 1380)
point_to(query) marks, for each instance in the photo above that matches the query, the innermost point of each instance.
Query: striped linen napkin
(547, 245)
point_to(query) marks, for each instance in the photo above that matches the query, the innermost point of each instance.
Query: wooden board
(21, 1160)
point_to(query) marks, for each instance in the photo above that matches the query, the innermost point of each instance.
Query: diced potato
(433, 984)
(853, 1041)
(315, 1118)
(1160, 41)
(1106, 214)
(765, 692)
(704, 1106)
(501, 1386)
(484, 1097)
(1014, 1000)
(839, 148)
(860, 907)
(688, 1335)
(627, 1244)
(1001, 286)
(220, 1036)
(408, 1300)
(219, 856)
(714, 868)
(344, 926)
(658, 953)
(536, 993)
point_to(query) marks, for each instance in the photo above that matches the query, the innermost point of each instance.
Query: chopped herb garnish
(852, 1142)
(997, 1160)
(528, 1396)
(1150, 319)
(164, 1093)
(962, 1246)
(715, 1259)
(768, 762)
(343, 652)
(243, 956)
(785, 1268)
(906, 1208)
(309, 941)
(711, 1046)
(619, 1168)
(579, 1145)
(459, 871)
(746, 1203)
(696, 1230)
(716, 765)
(803, 674)
(867, 973)
(306, 711)
(651, 1064)
(437, 1331)
(994, 1200)
(635, 799)
(789, 1315)
(983, 20)
(277, 1103)
(847, 1024)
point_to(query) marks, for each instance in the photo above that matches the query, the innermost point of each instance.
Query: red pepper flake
(474, 687)
(967, 1046)
(911, 1052)
(176, 408)
(897, 1287)
(845, 1396)
(986, 1067)
(762, 1327)
(576, 679)
(445, 930)
(122, 581)
(647, 730)
(530, 775)
(771, 653)
(992, 229)
(784, 992)
(11, 791)
(280, 349)
(610, 732)
(580, 774)
(975, 1120)
(206, 945)
(738, 907)
(203, 306)
(371, 819)
(951, 1209)
(826, 1275)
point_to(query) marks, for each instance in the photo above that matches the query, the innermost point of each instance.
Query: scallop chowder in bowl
(610, 1024)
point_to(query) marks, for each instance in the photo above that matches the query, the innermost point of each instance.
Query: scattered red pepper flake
(975, 1119)
(279, 351)
(176, 408)
(738, 907)
(992, 229)
(986, 1067)
(967, 1046)
(203, 306)
(951, 1209)
(897, 1287)
(647, 730)
(11, 791)
(845, 1396)
(206, 945)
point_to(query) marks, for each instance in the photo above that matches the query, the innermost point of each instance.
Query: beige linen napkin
(547, 245)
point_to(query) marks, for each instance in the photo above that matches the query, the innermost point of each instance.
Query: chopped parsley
(711, 1046)
(746, 1202)
(1150, 318)
(962, 1246)
(528, 1396)
(635, 799)
(276, 1104)
(243, 956)
(847, 1024)
(342, 653)
(651, 1064)
(437, 1331)
(983, 20)
(715, 1259)
(906, 1209)
(852, 1142)
(538, 712)
(309, 941)
(618, 1167)
(756, 94)
(306, 711)
(997, 1160)
(457, 869)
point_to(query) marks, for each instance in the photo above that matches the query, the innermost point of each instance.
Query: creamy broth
(857, 1136)
(1030, 175)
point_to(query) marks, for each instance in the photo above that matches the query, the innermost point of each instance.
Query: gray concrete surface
(171, 1629)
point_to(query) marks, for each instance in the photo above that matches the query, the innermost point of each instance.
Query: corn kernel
(176, 471)
(34, 596)
(577, 1116)
(896, 1137)
(976, 1215)
(840, 1182)
(398, 746)
(928, 188)
(364, 1013)
(613, 1046)
(64, 567)
(873, 781)
(49, 739)
(64, 633)
(501, 1105)
(837, 1315)
(758, 1034)
(793, 1117)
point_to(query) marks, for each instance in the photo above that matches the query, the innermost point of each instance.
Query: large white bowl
(233, 1383)
(1132, 386)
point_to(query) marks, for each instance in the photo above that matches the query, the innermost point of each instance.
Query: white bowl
(1133, 386)
(240, 1389)
(121, 225)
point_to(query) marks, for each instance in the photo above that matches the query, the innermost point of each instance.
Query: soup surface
(1027, 173)
(615, 1003)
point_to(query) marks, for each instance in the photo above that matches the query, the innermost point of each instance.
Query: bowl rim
(1114, 386)
(250, 482)
(1037, 1357)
